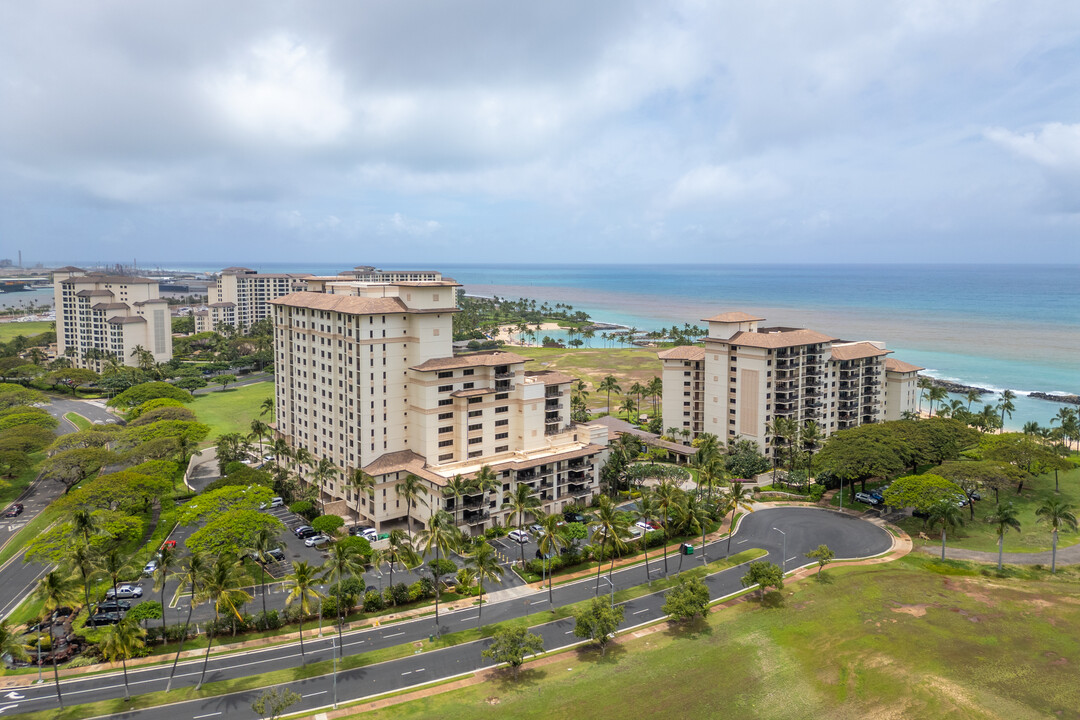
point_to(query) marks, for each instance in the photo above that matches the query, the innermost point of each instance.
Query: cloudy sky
(555, 131)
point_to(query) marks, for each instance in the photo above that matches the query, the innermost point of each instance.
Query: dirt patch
(493, 700)
(914, 609)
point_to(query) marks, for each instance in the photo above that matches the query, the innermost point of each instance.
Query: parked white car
(518, 536)
(317, 540)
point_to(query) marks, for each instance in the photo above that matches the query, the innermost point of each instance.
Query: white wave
(986, 386)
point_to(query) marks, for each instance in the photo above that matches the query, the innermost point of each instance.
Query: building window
(476, 453)
(446, 388)
(477, 426)
(467, 372)
(444, 430)
(445, 402)
(502, 448)
(502, 436)
(502, 409)
(448, 456)
(446, 416)
(476, 440)
(476, 413)
(446, 443)
(502, 422)
(502, 396)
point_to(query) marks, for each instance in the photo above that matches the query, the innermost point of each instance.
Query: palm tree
(399, 550)
(443, 535)
(302, 458)
(656, 391)
(648, 510)
(550, 542)
(709, 475)
(191, 573)
(362, 483)
(54, 591)
(936, 394)
(609, 385)
(485, 564)
(410, 490)
(610, 525)
(811, 436)
(122, 640)
(924, 384)
(738, 497)
(667, 497)
(782, 430)
(166, 559)
(1056, 513)
(83, 563)
(522, 501)
(972, 396)
(458, 486)
(301, 589)
(267, 407)
(692, 516)
(1006, 518)
(949, 515)
(222, 588)
(282, 451)
(84, 523)
(344, 562)
(628, 406)
(637, 390)
(1007, 406)
(325, 471)
(11, 644)
(262, 542)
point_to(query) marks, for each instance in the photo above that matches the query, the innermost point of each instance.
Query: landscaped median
(325, 667)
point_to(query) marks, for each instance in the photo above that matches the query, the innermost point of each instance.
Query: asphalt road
(805, 529)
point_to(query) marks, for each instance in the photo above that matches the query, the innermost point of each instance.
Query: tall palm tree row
(1005, 518)
(442, 535)
(301, 585)
(522, 502)
(485, 564)
(53, 591)
(221, 588)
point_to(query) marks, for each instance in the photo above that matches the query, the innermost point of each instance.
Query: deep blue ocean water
(996, 326)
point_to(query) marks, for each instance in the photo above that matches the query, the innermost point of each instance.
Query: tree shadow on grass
(592, 653)
(772, 600)
(527, 679)
(690, 630)
(824, 578)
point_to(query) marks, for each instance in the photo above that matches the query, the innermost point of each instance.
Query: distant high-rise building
(110, 316)
(746, 376)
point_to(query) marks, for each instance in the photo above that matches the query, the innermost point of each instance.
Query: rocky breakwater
(958, 388)
(1069, 399)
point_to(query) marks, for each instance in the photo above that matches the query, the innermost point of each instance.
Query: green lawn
(11, 488)
(11, 330)
(593, 364)
(892, 640)
(231, 409)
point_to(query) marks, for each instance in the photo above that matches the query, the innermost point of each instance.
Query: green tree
(55, 590)
(442, 535)
(121, 641)
(744, 459)
(948, 514)
(301, 587)
(1056, 513)
(823, 554)
(11, 643)
(765, 575)
(71, 467)
(328, 524)
(344, 563)
(667, 497)
(1006, 405)
(628, 406)
(224, 380)
(458, 486)
(1005, 518)
(411, 490)
(485, 564)
(687, 599)
(648, 511)
(221, 587)
(738, 497)
(273, 702)
(921, 492)
(598, 622)
(522, 502)
(550, 542)
(935, 394)
(511, 645)
(82, 562)
(263, 542)
(400, 549)
(191, 574)
(166, 561)
(610, 526)
(609, 385)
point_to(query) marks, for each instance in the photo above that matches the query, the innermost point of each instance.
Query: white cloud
(721, 184)
(399, 224)
(1055, 146)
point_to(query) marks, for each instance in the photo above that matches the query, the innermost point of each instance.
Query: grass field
(593, 364)
(11, 330)
(896, 641)
(232, 409)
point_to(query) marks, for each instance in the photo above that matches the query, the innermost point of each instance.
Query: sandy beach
(509, 334)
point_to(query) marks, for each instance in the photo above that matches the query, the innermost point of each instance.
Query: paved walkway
(1065, 556)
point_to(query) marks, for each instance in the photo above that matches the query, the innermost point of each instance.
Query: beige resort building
(99, 316)
(366, 377)
(747, 375)
(241, 297)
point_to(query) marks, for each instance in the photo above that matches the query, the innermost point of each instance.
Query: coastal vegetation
(480, 317)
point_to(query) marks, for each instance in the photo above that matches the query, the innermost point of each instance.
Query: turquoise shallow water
(990, 325)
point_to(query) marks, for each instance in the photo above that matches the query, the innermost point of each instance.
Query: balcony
(526, 474)
(475, 516)
(473, 503)
(503, 386)
(552, 392)
(546, 484)
(553, 406)
(503, 375)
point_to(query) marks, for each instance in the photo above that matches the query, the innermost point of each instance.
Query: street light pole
(784, 560)
(606, 579)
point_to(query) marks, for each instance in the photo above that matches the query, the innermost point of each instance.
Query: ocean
(994, 326)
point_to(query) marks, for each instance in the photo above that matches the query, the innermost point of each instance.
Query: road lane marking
(791, 558)
(407, 672)
(640, 611)
(393, 635)
(321, 692)
(206, 716)
(742, 541)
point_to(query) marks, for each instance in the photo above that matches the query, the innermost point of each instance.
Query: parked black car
(106, 618)
(305, 531)
(114, 606)
(570, 517)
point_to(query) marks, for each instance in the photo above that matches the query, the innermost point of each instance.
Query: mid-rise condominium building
(109, 316)
(366, 377)
(746, 376)
(241, 296)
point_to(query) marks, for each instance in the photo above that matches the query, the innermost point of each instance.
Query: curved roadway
(806, 528)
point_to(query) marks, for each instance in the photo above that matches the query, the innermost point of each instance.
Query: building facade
(109, 316)
(241, 297)
(366, 377)
(746, 375)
